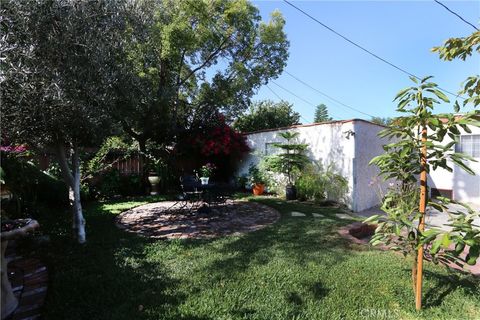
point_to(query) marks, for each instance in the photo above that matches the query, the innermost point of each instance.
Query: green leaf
(436, 246)
(446, 241)
(456, 107)
(373, 218)
(459, 247)
(441, 95)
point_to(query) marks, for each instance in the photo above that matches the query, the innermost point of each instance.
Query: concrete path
(434, 218)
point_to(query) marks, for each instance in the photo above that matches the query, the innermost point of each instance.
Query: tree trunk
(71, 176)
(421, 224)
(142, 145)
(78, 220)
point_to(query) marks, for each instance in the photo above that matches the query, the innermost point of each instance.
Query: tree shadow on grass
(303, 240)
(107, 278)
(446, 284)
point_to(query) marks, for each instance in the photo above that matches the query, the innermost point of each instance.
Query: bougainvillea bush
(216, 143)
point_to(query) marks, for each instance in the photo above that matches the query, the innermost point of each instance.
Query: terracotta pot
(258, 189)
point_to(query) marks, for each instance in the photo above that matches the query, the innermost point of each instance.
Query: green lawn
(299, 268)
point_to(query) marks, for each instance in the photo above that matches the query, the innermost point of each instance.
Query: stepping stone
(343, 216)
(278, 202)
(297, 214)
(318, 215)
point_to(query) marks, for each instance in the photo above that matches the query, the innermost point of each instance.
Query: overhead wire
(456, 14)
(328, 96)
(268, 87)
(285, 100)
(363, 48)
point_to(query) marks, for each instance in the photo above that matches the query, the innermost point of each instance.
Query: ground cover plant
(298, 268)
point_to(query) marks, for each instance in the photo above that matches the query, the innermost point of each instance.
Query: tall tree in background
(185, 61)
(321, 114)
(56, 80)
(267, 114)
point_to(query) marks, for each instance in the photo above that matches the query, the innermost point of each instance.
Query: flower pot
(204, 180)
(290, 192)
(154, 181)
(258, 189)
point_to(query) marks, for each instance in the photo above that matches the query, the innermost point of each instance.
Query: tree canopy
(56, 81)
(267, 114)
(184, 61)
(382, 121)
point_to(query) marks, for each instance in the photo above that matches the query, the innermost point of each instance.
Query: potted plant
(206, 171)
(257, 180)
(290, 162)
(154, 177)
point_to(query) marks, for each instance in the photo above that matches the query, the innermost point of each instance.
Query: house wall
(367, 185)
(465, 187)
(333, 144)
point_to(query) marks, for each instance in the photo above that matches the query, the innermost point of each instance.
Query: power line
(285, 100)
(326, 95)
(273, 92)
(364, 49)
(456, 14)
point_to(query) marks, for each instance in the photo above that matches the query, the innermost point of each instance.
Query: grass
(298, 268)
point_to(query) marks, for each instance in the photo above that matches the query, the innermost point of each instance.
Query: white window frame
(469, 144)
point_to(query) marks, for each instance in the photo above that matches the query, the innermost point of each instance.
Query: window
(270, 149)
(469, 144)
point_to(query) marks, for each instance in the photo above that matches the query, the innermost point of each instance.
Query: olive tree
(56, 80)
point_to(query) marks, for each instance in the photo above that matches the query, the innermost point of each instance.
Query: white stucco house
(348, 144)
(458, 184)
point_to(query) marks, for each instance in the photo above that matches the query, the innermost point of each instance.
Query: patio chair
(190, 196)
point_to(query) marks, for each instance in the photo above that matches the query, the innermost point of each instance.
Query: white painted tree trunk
(72, 179)
(78, 220)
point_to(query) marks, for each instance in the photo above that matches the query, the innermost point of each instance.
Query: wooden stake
(421, 224)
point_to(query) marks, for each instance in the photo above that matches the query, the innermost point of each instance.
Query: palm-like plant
(291, 160)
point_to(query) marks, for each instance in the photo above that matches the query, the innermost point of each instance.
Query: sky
(402, 32)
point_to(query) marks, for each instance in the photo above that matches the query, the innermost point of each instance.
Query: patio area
(174, 220)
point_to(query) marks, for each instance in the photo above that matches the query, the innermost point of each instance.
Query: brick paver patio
(161, 220)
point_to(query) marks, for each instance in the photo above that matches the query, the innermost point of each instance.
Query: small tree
(290, 161)
(321, 114)
(418, 148)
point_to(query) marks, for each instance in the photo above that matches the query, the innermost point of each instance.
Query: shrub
(112, 183)
(311, 184)
(317, 184)
(31, 187)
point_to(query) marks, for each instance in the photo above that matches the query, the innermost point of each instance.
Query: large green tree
(185, 61)
(267, 114)
(321, 113)
(56, 76)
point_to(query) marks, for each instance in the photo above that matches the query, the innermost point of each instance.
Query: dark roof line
(313, 124)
